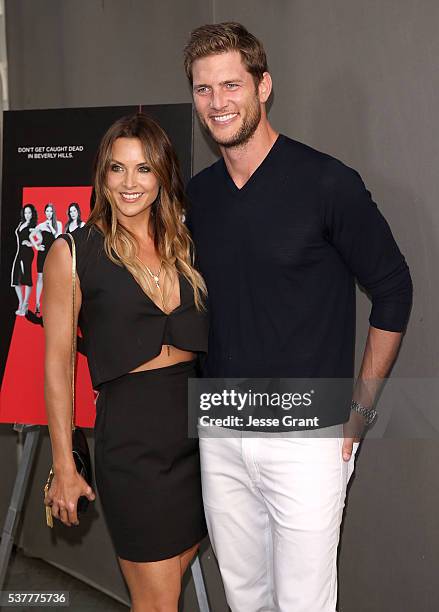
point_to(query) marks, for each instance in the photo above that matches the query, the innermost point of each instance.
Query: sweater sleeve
(363, 238)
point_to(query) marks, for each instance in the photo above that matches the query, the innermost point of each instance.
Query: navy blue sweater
(280, 257)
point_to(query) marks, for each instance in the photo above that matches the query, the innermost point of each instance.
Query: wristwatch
(370, 414)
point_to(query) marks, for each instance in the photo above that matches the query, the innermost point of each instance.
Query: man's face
(227, 100)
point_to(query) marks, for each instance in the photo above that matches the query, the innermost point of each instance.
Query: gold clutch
(49, 517)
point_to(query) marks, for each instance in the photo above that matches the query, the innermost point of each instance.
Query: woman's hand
(63, 494)
(67, 485)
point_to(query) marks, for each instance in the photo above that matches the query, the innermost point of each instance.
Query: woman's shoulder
(88, 245)
(86, 232)
(85, 237)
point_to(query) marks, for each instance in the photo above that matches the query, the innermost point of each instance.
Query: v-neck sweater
(280, 257)
(121, 326)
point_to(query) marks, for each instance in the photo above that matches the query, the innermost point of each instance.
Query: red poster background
(22, 391)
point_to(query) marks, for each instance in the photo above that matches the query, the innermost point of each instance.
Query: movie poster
(47, 168)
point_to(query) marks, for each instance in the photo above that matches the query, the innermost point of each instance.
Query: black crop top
(121, 326)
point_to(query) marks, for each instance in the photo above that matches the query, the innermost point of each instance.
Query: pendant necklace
(156, 279)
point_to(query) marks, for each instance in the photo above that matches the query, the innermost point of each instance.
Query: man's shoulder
(293, 153)
(204, 178)
(301, 152)
(326, 167)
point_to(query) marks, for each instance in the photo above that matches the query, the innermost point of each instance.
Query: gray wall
(356, 79)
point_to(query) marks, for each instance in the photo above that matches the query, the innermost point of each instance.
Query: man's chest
(277, 229)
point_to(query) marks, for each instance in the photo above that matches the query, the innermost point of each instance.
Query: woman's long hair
(53, 220)
(171, 237)
(69, 216)
(34, 220)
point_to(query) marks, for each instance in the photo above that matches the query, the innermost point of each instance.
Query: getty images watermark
(407, 407)
(243, 402)
(266, 405)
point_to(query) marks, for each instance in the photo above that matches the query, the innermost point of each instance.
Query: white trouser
(274, 507)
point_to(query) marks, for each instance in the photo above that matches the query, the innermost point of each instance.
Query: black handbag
(81, 455)
(80, 450)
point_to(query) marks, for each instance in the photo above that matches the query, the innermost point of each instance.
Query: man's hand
(379, 354)
(352, 432)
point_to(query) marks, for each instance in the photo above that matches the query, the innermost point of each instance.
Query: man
(281, 231)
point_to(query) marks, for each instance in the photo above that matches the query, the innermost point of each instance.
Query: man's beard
(245, 132)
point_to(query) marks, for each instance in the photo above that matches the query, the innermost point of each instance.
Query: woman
(73, 218)
(42, 237)
(140, 307)
(21, 276)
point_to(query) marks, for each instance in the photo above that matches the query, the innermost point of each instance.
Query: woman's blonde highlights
(171, 237)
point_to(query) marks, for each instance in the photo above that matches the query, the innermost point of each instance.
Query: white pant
(273, 508)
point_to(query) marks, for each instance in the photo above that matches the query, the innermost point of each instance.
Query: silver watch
(370, 414)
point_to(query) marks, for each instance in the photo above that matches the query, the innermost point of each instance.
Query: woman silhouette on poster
(42, 238)
(73, 218)
(21, 275)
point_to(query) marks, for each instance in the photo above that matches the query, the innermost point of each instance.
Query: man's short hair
(211, 39)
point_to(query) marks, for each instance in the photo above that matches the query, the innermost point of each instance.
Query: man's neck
(242, 161)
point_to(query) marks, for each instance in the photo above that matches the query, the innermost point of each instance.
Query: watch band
(370, 414)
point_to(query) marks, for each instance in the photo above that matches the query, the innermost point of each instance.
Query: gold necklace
(155, 277)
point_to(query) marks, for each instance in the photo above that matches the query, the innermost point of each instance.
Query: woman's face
(49, 213)
(73, 213)
(131, 182)
(27, 213)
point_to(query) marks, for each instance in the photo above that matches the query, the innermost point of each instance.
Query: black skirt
(147, 469)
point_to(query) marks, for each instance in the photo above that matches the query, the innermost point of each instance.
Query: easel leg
(200, 587)
(18, 492)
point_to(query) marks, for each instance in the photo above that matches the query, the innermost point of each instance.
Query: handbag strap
(74, 331)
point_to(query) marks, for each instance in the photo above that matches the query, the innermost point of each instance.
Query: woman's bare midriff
(168, 356)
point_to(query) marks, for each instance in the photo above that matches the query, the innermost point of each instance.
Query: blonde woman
(140, 309)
